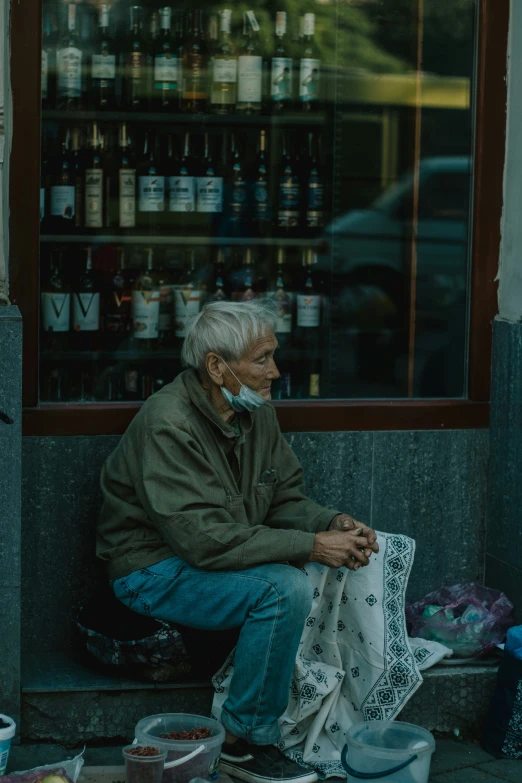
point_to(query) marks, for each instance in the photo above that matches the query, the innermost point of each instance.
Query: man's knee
(293, 587)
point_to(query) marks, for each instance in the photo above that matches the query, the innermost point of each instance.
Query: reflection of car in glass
(371, 248)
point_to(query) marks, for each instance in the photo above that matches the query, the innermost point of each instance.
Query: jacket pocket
(264, 495)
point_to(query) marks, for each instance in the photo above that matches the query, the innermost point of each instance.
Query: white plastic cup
(6, 735)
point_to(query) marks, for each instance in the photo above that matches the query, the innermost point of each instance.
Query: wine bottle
(250, 68)
(289, 203)
(309, 301)
(166, 309)
(102, 92)
(126, 183)
(209, 186)
(78, 167)
(261, 212)
(166, 65)
(315, 187)
(55, 301)
(218, 293)
(48, 73)
(151, 188)
(244, 279)
(86, 307)
(281, 71)
(195, 63)
(94, 179)
(62, 201)
(145, 304)
(187, 297)
(237, 207)
(135, 62)
(117, 305)
(181, 184)
(223, 94)
(283, 299)
(70, 64)
(309, 67)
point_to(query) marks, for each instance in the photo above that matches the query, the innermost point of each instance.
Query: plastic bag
(469, 618)
(68, 770)
(514, 642)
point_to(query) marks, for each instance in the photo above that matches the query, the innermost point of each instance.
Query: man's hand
(345, 522)
(337, 548)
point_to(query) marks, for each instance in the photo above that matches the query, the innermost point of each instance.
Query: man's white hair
(226, 328)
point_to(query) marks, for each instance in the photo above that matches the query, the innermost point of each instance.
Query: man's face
(257, 369)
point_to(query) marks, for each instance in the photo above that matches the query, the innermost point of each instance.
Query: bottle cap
(280, 25)
(308, 24)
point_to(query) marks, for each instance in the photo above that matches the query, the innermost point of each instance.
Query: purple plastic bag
(471, 619)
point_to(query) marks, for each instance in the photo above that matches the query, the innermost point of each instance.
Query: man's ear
(215, 368)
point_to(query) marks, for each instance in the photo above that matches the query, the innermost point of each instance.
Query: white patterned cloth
(355, 661)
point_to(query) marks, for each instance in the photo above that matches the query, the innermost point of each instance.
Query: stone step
(66, 703)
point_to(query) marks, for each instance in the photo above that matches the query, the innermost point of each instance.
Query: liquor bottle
(69, 64)
(223, 93)
(309, 301)
(283, 297)
(78, 166)
(282, 67)
(56, 305)
(209, 186)
(62, 201)
(181, 183)
(166, 308)
(166, 65)
(244, 282)
(237, 207)
(187, 297)
(135, 62)
(218, 293)
(86, 307)
(94, 177)
(309, 67)
(314, 217)
(151, 188)
(195, 63)
(117, 306)
(250, 68)
(125, 181)
(145, 304)
(102, 90)
(48, 73)
(289, 202)
(261, 212)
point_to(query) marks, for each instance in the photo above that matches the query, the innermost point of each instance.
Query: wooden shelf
(176, 119)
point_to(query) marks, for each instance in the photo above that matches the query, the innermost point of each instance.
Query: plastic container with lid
(205, 765)
(6, 735)
(388, 750)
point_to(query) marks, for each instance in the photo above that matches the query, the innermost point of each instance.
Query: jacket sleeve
(186, 501)
(290, 508)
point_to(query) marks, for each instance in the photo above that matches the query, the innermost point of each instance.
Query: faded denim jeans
(269, 603)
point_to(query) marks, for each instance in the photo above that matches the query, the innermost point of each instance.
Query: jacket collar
(200, 399)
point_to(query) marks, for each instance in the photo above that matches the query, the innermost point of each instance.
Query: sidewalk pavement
(453, 762)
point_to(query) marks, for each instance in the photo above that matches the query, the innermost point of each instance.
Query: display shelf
(169, 239)
(220, 120)
(284, 354)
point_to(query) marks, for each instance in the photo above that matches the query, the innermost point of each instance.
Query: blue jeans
(270, 603)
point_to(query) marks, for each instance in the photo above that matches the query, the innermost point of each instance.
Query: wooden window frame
(325, 415)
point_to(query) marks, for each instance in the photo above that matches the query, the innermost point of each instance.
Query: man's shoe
(262, 764)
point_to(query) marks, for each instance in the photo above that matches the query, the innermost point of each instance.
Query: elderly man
(205, 518)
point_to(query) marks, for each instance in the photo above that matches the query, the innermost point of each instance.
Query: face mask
(246, 400)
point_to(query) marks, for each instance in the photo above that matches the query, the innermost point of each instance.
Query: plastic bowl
(205, 765)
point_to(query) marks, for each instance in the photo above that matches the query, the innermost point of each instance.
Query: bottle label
(308, 310)
(314, 384)
(42, 203)
(63, 199)
(145, 314)
(249, 79)
(103, 66)
(289, 193)
(194, 78)
(182, 194)
(56, 311)
(281, 79)
(166, 72)
(261, 205)
(93, 198)
(127, 198)
(86, 312)
(244, 296)
(209, 194)
(69, 65)
(283, 301)
(309, 24)
(152, 194)
(315, 195)
(314, 218)
(45, 73)
(135, 65)
(166, 307)
(224, 69)
(238, 200)
(187, 303)
(309, 73)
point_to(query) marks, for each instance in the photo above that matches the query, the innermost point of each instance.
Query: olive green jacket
(183, 482)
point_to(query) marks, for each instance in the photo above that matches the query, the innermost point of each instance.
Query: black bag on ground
(502, 736)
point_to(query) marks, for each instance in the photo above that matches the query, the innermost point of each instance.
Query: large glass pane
(317, 153)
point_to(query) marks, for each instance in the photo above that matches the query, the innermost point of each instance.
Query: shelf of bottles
(180, 165)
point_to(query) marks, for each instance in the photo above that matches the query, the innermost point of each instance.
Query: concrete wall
(5, 98)
(430, 485)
